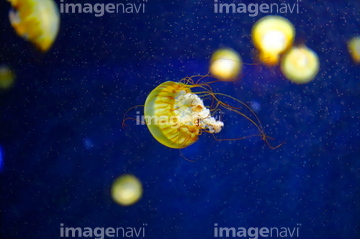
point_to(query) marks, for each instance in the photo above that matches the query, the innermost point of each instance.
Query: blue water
(61, 127)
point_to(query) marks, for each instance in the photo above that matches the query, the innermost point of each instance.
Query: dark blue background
(63, 144)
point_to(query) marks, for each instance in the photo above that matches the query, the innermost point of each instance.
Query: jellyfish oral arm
(192, 112)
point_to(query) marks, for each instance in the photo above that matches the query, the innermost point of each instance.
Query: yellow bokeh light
(272, 35)
(354, 48)
(7, 77)
(126, 190)
(225, 64)
(300, 65)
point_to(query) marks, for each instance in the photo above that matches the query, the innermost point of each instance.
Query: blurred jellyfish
(354, 48)
(272, 35)
(7, 77)
(300, 65)
(1, 159)
(126, 190)
(225, 64)
(88, 143)
(36, 20)
(255, 106)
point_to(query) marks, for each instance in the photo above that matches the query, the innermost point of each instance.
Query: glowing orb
(354, 48)
(272, 35)
(36, 20)
(175, 116)
(225, 64)
(126, 190)
(300, 65)
(7, 77)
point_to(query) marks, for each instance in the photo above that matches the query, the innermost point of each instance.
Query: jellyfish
(36, 20)
(126, 190)
(225, 64)
(272, 35)
(354, 49)
(7, 77)
(1, 159)
(300, 64)
(176, 115)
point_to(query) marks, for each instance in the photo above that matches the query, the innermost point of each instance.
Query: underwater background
(62, 143)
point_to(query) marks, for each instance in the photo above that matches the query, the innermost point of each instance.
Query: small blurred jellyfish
(255, 106)
(7, 77)
(88, 143)
(126, 190)
(272, 35)
(35, 20)
(354, 49)
(1, 159)
(300, 65)
(225, 64)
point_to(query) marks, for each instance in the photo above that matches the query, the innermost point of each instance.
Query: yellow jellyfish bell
(300, 64)
(36, 20)
(354, 48)
(7, 77)
(225, 64)
(126, 190)
(175, 116)
(272, 35)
